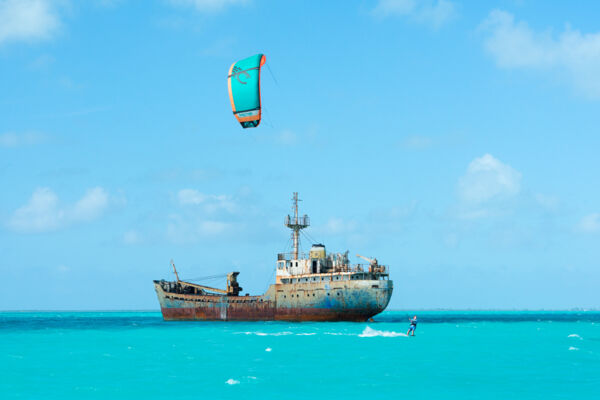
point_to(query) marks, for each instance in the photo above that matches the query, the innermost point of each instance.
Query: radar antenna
(296, 224)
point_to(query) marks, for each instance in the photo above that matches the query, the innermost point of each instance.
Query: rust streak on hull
(354, 301)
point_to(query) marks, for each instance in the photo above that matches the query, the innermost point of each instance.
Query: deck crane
(374, 267)
(233, 287)
(372, 261)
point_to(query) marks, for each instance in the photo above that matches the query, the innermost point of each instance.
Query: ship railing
(379, 269)
(361, 268)
(290, 256)
(303, 221)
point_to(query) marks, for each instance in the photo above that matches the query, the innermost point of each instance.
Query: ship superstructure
(308, 287)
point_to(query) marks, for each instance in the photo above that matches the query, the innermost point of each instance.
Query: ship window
(313, 295)
(284, 296)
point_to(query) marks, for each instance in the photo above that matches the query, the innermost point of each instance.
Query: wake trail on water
(367, 332)
(370, 332)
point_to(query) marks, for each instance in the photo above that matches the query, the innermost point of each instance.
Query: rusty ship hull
(336, 298)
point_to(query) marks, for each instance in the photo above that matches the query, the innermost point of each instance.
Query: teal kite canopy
(244, 90)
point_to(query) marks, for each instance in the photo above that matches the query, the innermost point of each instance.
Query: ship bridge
(317, 265)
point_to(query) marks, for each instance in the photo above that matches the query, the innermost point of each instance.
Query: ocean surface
(454, 355)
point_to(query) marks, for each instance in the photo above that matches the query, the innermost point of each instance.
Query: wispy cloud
(434, 13)
(487, 183)
(189, 229)
(27, 20)
(44, 212)
(201, 216)
(223, 47)
(287, 138)
(132, 237)
(514, 45)
(209, 202)
(547, 202)
(417, 142)
(208, 5)
(42, 62)
(589, 224)
(11, 139)
(63, 268)
(336, 226)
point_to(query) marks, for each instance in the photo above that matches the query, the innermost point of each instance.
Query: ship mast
(296, 223)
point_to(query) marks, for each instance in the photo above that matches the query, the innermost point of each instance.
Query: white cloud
(44, 212)
(430, 12)
(63, 268)
(590, 223)
(210, 202)
(190, 229)
(90, 206)
(11, 139)
(207, 5)
(417, 142)
(42, 62)
(387, 8)
(212, 227)
(201, 216)
(27, 20)
(514, 44)
(488, 178)
(190, 196)
(549, 203)
(287, 138)
(132, 237)
(335, 226)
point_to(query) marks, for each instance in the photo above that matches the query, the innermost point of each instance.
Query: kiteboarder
(413, 326)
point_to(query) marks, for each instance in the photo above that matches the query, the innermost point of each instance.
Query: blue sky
(455, 141)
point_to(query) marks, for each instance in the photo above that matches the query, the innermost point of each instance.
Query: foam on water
(370, 332)
(267, 333)
(574, 335)
(231, 381)
(573, 348)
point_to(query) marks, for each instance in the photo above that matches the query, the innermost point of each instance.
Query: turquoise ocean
(454, 355)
